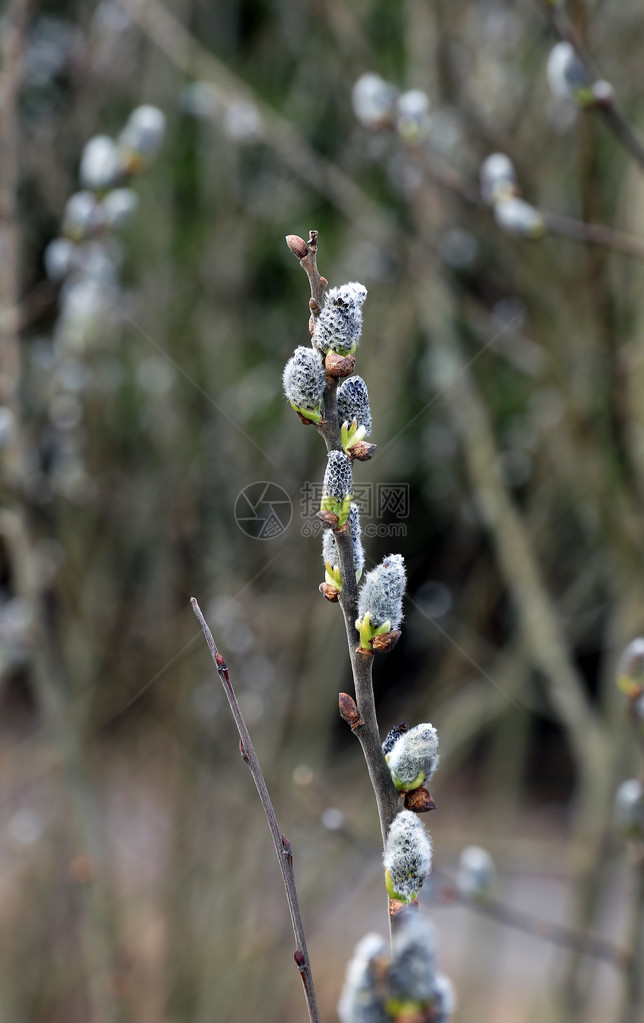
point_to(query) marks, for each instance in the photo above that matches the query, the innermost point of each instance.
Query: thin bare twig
(282, 845)
(555, 934)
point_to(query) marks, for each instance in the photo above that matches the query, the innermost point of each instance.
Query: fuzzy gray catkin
(339, 324)
(407, 856)
(353, 403)
(382, 593)
(338, 476)
(361, 1001)
(412, 974)
(304, 379)
(413, 758)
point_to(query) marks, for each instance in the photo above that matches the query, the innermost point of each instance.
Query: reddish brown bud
(243, 753)
(395, 906)
(338, 366)
(386, 642)
(362, 450)
(349, 711)
(221, 664)
(330, 592)
(328, 519)
(297, 245)
(299, 959)
(419, 801)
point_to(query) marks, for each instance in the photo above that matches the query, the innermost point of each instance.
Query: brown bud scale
(395, 906)
(328, 519)
(338, 366)
(330, 592)
(386, 642)
(362, 450)
(419, 801)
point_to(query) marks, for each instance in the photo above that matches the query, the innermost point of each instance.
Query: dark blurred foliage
(177, 407)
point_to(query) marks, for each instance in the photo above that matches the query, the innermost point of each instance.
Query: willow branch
(610, 110)
(282, 845)
(368, 732)
(555, 934)
(573, 230)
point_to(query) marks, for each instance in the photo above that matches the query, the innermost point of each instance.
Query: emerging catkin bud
(412, 974)
(100, 166)
(498, 178)
(380, 600)
(407, 858)
(475, 878)
(304, 379)
(141, 138)
(629, 809)
(413, 758)
(374, 101)
(362, 999)
(330, 550)
(338, 486)
(82, 216)
(519, 218)
(630, 670)
(119, 207)
(339, 324)
(567, 76)
(412, 115)
(354, 411)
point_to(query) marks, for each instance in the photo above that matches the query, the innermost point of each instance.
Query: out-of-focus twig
(555, 934)
(283, 849)
(610, 111)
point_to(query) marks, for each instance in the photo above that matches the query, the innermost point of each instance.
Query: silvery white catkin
(443, 999)
(415, 752)
(408, 854)
(476, 872)
(360, 1001)
(119, 206)
(304, 379)
(59, 259)
(412, 974)
(353, 403)
(143, 132)
(339, 324)
(497, 177)
(373, 100)
(518, 218)
(82, 215)
(338, 476)
(382, 592)
(100, 166)
(629, 808)
(565, 72)
(330, 547)
(412, 115)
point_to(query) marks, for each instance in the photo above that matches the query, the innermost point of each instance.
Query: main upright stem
(368, 733)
